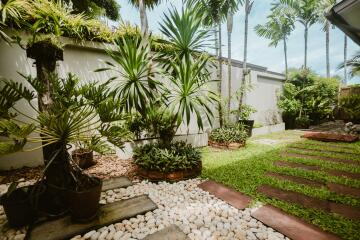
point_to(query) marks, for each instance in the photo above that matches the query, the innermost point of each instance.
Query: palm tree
(277, 28)
(323, 7)
(248, 7)
(353, 64)
(345, 60)
(233, 7)
(142, 5)
(305, 13)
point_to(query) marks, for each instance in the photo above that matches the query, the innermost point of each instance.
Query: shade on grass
(245, 169)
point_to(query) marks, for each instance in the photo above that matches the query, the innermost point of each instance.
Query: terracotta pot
(83, 158)
(84, 205)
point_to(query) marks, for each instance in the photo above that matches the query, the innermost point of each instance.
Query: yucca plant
(136, 71)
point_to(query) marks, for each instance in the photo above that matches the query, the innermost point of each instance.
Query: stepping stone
(297, 165)
(227, 194)
(330, 137)
(172, 232)
(321, 151)
(326, 144)
(333, 187)
(343, 189)
(290, 226)
(329, 159)
(298, 180)
(339, 173)
(310, 202)
(64, 228)
(119, 182)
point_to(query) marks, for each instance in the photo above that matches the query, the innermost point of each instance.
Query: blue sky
(258, 51)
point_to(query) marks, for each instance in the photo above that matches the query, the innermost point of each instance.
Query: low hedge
(173, 157)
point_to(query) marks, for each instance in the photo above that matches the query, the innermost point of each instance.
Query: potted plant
(244, 114)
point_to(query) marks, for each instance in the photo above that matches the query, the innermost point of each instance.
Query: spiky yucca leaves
(136, 69)
(189, 92)
(184, 32)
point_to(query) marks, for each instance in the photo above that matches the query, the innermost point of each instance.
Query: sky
(259, 52)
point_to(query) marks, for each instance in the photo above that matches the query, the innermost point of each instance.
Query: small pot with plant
(244, 114)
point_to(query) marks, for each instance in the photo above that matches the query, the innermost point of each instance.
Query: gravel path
(196, 212)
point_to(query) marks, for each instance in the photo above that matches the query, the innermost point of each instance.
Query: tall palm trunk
(248, 6)
(327, 31)
(345, 60)
(306, 45)
(286, 61)
(221, 114)
(143, 18)
(229, 31)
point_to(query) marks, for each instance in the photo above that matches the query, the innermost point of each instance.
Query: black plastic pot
(249, 126)
(84, 205)
(83, 158)
(54, 203)
(18, 208)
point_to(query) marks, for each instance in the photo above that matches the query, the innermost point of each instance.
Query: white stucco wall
(83, 59)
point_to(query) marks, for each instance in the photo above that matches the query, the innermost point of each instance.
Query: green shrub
(173, 157)
(229, 134)
(351, 106)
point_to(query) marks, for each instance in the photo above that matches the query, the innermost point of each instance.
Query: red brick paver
(310, 202)
(324, 158)
(304, 149)
(297, 165)
(227, 194)
(330, 137)
(290, 226)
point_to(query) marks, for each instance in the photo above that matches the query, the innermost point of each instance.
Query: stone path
(119, 182)
(310, 202)
(172, 232)
(297, 165)
(329, 159)
(227, 194)
(109, 213)
(290, 226)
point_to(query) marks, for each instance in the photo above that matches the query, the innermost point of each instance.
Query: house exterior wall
(83, 58)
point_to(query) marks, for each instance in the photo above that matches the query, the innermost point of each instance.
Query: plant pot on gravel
(83, 157)
(249, 124)
(17, 206)
(84, 202)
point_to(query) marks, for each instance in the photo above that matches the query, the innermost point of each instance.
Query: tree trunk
(248, 6)
(306, 45)
(229, 30)
(143, 18)
(221, 114)
(327, 30)
(345, 61)
(286, 61)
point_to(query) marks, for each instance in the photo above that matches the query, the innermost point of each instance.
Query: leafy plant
(351, 106)
(176, 156)
(245, 112)
(229, 134)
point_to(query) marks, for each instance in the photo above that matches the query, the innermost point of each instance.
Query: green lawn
(244, 170)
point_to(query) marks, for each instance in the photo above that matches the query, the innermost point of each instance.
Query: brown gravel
(26, 173)
(107, 166)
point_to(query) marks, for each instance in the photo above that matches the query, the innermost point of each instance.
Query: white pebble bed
(197, 213)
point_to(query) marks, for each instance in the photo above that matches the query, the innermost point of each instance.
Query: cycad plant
(70, 118)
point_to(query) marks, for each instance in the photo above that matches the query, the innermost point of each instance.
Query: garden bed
(174, 176)
(231, 146)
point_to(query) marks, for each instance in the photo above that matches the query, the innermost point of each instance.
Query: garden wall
(83, 58)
